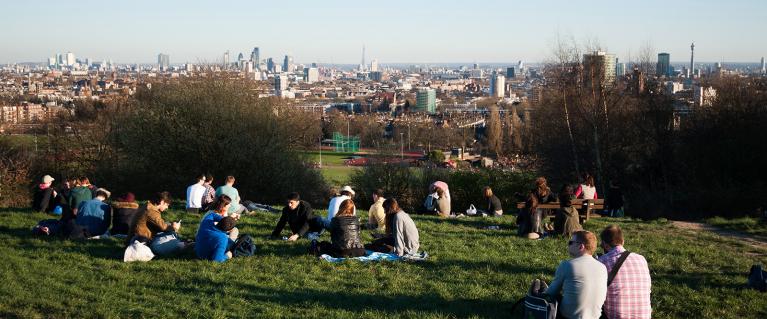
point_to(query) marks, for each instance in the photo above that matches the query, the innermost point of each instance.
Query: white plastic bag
(472, 210)
(137, 251)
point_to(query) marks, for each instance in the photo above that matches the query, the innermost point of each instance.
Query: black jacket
(297, 219)
(122, 215)
(493, 204)
(43, 200)
(345, 232)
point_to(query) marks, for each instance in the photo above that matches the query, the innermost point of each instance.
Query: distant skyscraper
(510, 73)
(497, 85)
(163, 61)
(600, 67)
(620, 69)
(664, 65)
(692, 59)
(374, 65)
(520, 66)
(287, 63)
(52, 61)
(764, 70)
(226, 60)
(362, 65)
(255, 56)
(311, 75)
(280, 83)
(270, 64)
(426, 100)
(70, 59)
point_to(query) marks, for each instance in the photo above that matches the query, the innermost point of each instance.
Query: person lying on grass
(344, 234)
(213, 240)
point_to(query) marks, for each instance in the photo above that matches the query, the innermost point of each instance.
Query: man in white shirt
(346, 193)
(194, 195)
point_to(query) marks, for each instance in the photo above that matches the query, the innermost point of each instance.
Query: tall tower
(664, 64)
(692, 59)
(362, 66)
(255, 56)
(763, 66)
(226, 60)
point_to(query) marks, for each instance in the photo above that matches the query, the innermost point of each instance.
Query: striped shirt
(628, 296)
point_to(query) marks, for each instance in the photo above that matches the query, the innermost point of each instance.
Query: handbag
(137, 251)
(472, 210)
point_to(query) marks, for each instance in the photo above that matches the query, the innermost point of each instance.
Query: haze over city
(333, 32)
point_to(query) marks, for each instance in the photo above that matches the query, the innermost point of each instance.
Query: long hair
(391, 208)
(566, 196)
(588, 179)
(531, 203)
(542, 187)
(346, 208)
(219, 204)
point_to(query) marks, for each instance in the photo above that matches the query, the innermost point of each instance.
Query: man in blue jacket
(212, 242)
(95, 215)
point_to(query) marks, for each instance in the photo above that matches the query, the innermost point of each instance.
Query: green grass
(471, 273)
(329, 158)
(337, 175)
(748, 225)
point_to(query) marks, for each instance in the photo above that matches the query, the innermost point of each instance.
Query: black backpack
(757, 279)
(244, 247)
(537, 307)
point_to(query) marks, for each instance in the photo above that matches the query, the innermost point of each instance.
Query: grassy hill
(472, 272)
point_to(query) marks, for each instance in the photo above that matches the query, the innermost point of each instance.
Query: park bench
(584, 206)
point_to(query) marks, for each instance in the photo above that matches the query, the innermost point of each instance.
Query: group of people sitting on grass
(615, 285)
(393, 229)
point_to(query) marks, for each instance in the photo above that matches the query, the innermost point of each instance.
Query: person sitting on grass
(79, 194)
(148, 221)
(581, 281)
(493, 206)
(344, 234)
(123, 211)
(299, 217)
(346, 193)
(628, 294)
(218, 210)
(402, 235)
(376, 214)
(94, 215)
(213, 241)
(209, 195)
(566, 221)
(229, 190)
(44, 199)
(525, 215)
(194, 195)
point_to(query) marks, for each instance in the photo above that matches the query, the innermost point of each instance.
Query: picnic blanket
(376, 256)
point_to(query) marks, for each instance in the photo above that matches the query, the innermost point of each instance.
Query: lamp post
(320, 151)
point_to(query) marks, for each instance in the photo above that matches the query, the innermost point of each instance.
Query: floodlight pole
(402, 146)
(320, 151)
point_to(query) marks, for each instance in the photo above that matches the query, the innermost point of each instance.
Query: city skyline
(334, 32)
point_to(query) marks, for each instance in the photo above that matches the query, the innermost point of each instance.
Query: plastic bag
(137, 251)
(472, 210)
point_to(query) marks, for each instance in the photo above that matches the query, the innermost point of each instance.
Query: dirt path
(758, 242)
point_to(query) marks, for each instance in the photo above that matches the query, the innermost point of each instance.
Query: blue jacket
(95, 216)
(211, 243)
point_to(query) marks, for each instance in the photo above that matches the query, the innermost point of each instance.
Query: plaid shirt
(629, 294)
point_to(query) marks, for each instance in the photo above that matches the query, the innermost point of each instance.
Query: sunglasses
(572, 242)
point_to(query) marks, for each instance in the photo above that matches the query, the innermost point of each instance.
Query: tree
(494, 133)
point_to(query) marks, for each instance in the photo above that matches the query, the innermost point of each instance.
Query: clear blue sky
(333, 31)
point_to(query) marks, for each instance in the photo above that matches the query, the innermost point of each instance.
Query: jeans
(535, 221)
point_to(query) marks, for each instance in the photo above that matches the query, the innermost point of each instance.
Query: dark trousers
(382, 245)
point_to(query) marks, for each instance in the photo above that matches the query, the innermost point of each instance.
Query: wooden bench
(584, 206)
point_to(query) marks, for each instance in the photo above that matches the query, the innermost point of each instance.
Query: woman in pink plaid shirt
(628, 295)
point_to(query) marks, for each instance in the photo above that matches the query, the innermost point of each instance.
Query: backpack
(537, 307)
(244, 247)
(757, 278)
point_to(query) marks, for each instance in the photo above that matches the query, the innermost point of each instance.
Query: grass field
(471, 273)
(747, 225)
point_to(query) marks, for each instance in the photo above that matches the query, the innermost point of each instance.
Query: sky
(393, 31)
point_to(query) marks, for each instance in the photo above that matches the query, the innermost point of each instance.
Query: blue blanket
(375, 256)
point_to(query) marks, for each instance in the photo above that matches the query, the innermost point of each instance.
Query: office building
(764, 70)
(497, 85)
(287, 63)
(426, 100)
(255, 56)
(280, 83)
(70, 59)
(599, 66)
(663, 68)
(311, 75)
(163, 62)
(226, 60)
(510, 73)
(620, 69)
(374, 65)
